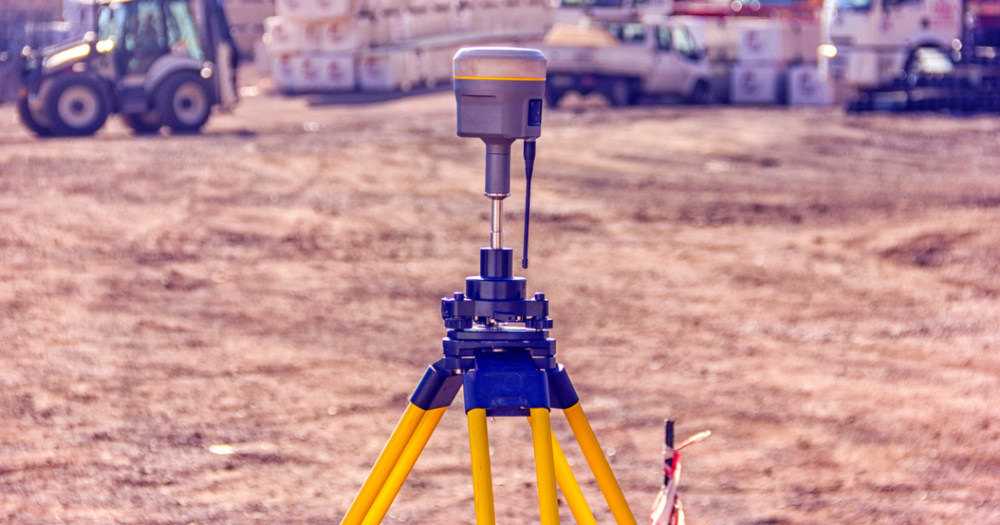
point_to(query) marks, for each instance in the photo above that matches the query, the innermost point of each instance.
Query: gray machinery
(154, 62)
(497, 349)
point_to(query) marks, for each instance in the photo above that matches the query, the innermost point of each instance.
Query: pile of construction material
(386, 45)
(776, 63)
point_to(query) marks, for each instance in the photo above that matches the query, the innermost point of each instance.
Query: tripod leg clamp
(438, 387)
(562, 395)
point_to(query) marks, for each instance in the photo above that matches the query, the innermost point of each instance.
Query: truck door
(689, 58)
(664, 78)
(910, 23)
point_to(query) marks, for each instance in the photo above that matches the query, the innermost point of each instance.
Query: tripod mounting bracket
(505, 384)
(463, 347)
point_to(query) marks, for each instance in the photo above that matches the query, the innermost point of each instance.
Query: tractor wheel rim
(77, 106)
(190, 103)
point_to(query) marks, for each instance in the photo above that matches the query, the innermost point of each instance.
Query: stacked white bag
(807, 88)
(771, 53)
(386, 45)
(312, 44)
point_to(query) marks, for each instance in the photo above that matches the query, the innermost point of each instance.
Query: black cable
(529, 165)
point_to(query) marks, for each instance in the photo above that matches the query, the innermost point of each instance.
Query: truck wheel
(77, 105)
(701, 94)
(619, 93)
(143, 123)
(24, 113)
(183, 102)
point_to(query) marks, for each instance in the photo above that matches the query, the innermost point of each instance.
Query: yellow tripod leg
(482, 478)
(403, 467)
(383, 466)
(541, 434)
(599, 465)
(570, 488)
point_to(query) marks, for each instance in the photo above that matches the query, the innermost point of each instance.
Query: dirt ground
(820, 290)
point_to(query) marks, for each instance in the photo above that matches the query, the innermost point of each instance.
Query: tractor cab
(142, 32)
(154, 62)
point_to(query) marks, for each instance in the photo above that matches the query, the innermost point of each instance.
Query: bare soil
(820, 290)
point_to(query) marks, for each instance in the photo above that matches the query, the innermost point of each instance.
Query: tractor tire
(147, 123)
(24, 114)
(184, 102)
(77, 106)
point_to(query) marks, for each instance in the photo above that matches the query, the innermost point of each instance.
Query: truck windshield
(850, 5)
(628, 33)
(683, 43)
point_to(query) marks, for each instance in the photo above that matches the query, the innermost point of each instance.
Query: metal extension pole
(496, 221)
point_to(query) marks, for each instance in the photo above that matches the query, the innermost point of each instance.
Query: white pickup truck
(624, 60)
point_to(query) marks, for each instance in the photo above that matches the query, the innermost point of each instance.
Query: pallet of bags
(247, 12)
(488, 18)
(514, 15)
(436, 63)
(760, 41)
(390, 27)
(532, 17)
(292, 8)
(289, 35)
(756, 84)
(426, 5)
(430, 21)
(460, 19)
(334, 8)
(476, 17)
(806, 88)
(315, 9)
(388, 68)
(283, 68)
(380, 6)
(324, 73)
(344, 34)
